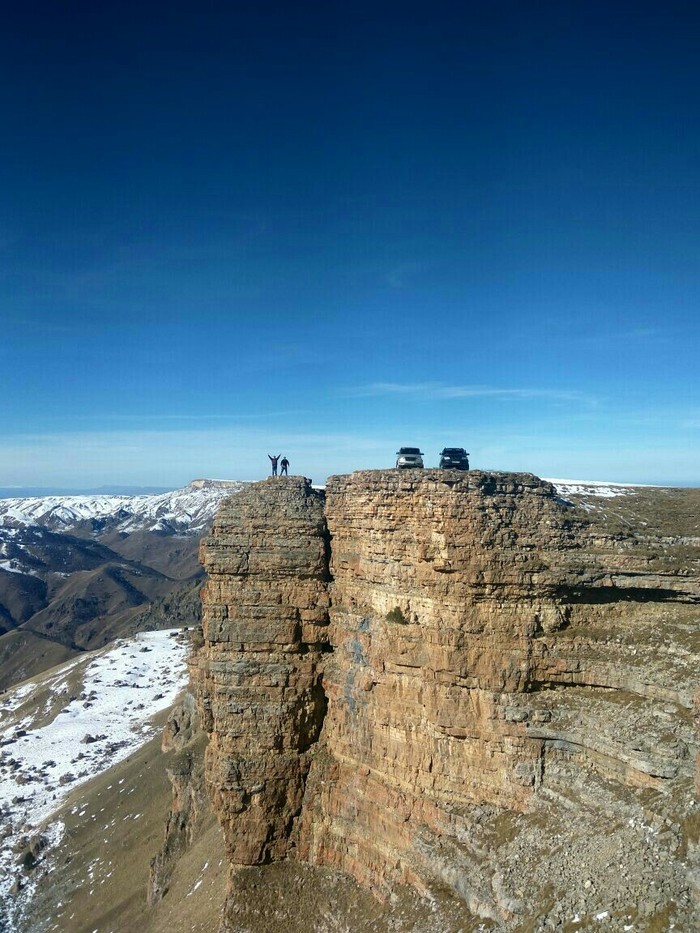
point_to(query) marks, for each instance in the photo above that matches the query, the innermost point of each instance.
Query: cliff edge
(458, 683)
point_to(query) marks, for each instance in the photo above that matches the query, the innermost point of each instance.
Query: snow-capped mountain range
(78, 571)
(184, 510)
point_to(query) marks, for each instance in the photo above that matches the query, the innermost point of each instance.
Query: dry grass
(114, 826)
(663, 511)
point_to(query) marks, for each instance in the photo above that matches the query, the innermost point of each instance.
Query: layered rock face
(500, 708)
(441, 586)
(257, 676)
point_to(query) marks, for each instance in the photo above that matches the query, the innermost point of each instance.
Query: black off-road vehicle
(454, 458)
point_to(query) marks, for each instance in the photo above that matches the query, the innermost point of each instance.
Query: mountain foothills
(78, 571)
(427, 701)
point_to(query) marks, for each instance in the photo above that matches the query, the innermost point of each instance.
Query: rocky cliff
(259, 675)
(455, 682)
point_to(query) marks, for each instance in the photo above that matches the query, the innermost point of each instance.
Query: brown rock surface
(505, 691)
(190, 803)
(258, 677)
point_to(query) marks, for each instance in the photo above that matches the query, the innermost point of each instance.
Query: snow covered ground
(583, 487)
(67, 726)
(190, 508)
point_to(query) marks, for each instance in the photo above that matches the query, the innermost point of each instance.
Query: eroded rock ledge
(428, 677)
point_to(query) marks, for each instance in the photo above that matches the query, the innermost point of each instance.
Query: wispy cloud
(404, 273)
(437, 390)
(639, 336)
(199, 417)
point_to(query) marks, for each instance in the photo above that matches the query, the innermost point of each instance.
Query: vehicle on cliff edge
(408, 458)
(454, 458)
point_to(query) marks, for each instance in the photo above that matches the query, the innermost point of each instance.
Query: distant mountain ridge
(78, 571)
(27, 492)
(188, 509)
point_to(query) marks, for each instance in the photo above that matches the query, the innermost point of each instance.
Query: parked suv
(454, 458)
(409, 457)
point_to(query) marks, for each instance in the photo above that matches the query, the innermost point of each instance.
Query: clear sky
(330, 229)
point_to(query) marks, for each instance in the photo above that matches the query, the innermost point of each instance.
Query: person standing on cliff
(285, 466)
(273, 461)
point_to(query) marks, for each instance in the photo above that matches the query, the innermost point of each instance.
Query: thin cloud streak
(197, 416)
(404, 274)
(434, 390)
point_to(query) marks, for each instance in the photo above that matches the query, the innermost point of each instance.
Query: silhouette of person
(273, 461)
(285, 466)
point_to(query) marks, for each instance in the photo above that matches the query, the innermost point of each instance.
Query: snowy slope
(63, 728)
(188, 509)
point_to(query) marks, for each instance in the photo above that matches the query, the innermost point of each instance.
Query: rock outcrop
(455, 682)
(258, 675)
(190, 808)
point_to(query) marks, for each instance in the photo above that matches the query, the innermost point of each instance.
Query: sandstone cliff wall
(440, 586)
(438, 675)
(258, 675)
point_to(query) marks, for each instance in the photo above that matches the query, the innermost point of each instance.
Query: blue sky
(236, 229)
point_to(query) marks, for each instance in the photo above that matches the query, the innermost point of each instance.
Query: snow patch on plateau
(602, 490)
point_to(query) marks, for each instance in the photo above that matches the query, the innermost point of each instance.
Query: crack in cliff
(614, 593)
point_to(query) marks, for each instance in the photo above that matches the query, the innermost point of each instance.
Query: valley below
(77, 572)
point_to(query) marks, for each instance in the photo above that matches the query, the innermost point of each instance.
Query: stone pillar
(258, 672)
